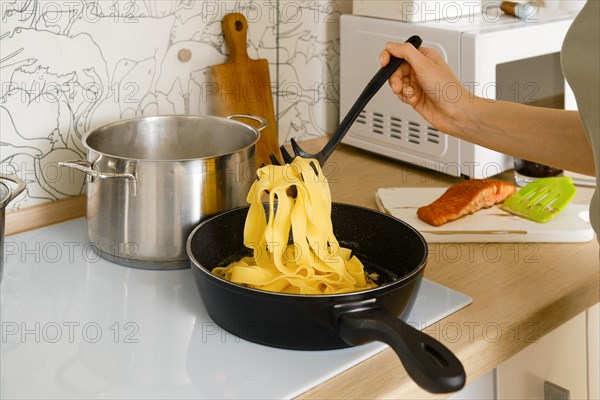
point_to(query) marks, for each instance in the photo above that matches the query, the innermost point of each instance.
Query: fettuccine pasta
(299, 199)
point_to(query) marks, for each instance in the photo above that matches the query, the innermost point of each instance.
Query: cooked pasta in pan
(313, 263)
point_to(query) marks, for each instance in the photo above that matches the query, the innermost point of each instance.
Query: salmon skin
(465, 198)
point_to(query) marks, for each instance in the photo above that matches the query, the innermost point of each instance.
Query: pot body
(6, 196)
(2, 216)
(152, 180)
(384, 245)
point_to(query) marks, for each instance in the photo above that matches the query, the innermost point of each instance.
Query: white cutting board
(488, 225)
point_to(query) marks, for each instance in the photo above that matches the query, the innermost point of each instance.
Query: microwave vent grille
(433, 135)
(362, 118)
(394, 127)
(399, 132)
(414, 132)
(378, 123)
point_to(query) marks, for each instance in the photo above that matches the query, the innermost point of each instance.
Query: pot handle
(428, 362)
(88, 168)
(16, 191)
(263, 122)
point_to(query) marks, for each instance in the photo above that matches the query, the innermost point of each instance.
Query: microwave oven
(496, 57)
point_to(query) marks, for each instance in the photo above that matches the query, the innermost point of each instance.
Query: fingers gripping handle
(428, 362)
(386, 72)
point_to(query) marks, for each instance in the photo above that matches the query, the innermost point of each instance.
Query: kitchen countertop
(520, 291)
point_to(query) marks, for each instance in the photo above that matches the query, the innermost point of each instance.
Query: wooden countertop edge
(383, 377)
(45, 214)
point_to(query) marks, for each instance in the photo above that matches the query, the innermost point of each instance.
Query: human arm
(544, 135)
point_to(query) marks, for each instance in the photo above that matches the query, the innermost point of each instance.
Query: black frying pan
(386, 245)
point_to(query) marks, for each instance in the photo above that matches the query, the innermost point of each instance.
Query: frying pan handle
(428, 362)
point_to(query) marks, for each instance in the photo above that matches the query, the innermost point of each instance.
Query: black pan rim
(350, 296)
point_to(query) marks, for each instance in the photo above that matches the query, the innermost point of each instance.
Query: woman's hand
(544, 135)
(426, 83)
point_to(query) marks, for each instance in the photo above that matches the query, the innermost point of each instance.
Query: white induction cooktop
(77, 326)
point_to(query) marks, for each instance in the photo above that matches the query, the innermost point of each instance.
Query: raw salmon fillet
(465, 198)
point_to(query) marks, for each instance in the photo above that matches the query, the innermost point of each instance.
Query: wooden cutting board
(489, 225)
(243, 86)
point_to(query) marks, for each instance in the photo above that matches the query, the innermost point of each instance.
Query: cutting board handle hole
(239, 25)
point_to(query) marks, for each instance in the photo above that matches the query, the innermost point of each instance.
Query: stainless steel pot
(6, 196)
(151, 180)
